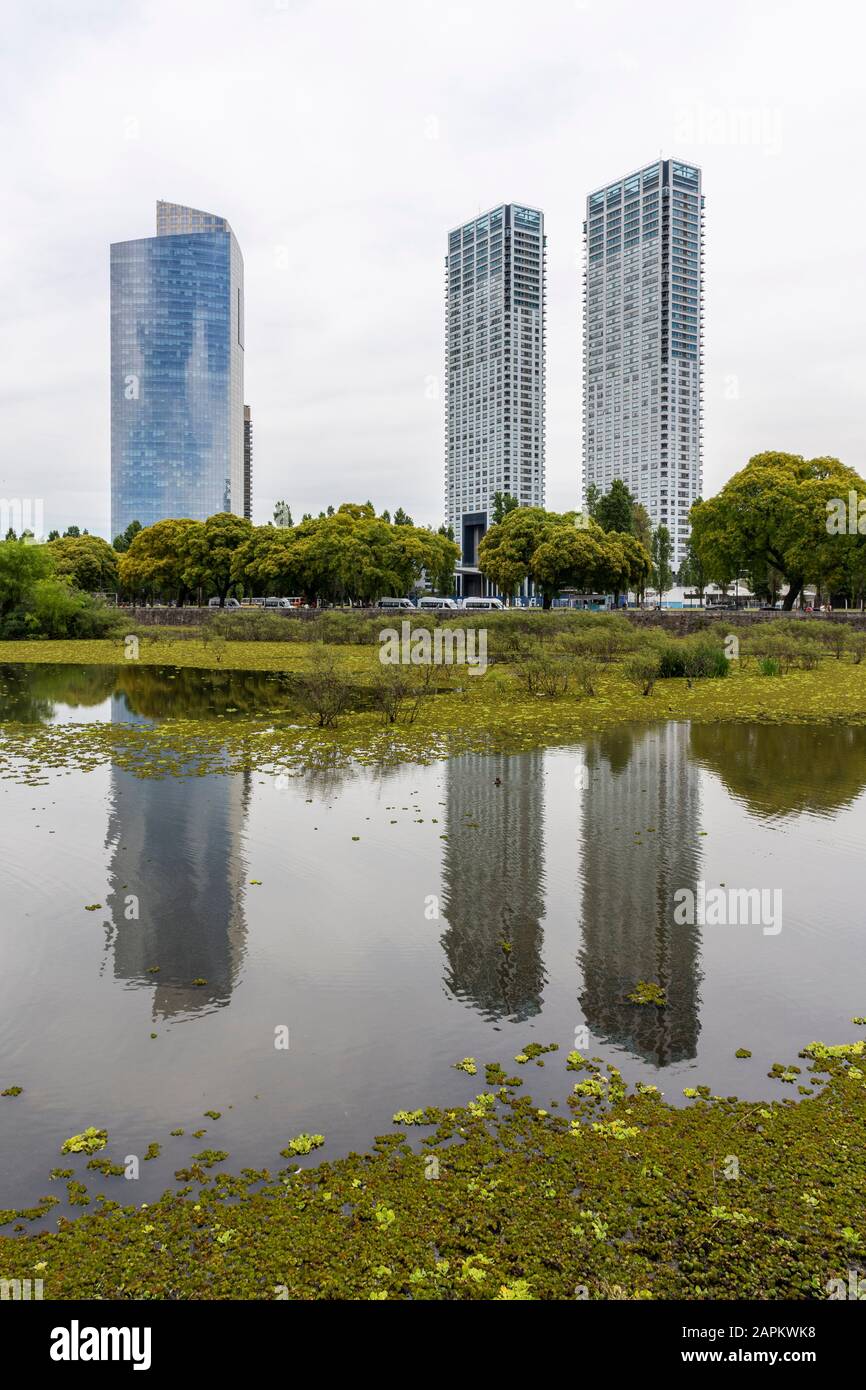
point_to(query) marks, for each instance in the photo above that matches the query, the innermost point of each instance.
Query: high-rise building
(643, 341)
(495, 344)
(248, 463)
(177, 371)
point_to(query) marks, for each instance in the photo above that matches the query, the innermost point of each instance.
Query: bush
(400, 689)
(254, 625)
(542, 676)
(584, 671)
(693, 657)
(53, 609)
(643, 671)
(324, 690)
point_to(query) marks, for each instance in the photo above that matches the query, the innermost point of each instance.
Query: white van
(280, 603)
(396, 603)
(475, 605)
(229, 603)
(432, 602)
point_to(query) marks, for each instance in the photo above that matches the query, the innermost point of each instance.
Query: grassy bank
(622, 1197)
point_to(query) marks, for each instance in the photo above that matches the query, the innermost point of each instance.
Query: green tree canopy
(125, 539)
(22, 567)
(208, 551)
(774, 513)
(613, 511)
(155, 561)
(88, 561)
(661, 552)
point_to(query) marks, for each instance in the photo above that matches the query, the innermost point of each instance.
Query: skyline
(375, 160)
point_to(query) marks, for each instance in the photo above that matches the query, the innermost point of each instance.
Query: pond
(387, 923)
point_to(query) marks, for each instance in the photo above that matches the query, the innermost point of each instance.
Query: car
(229, 603)
(474, 605)
(398, 603)
(431, 602)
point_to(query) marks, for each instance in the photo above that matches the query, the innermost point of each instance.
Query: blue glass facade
(177, 428)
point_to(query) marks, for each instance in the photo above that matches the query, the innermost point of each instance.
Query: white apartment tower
(643, 341)
(495, 339)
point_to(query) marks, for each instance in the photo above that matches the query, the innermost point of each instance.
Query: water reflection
(641, 804)
(33, 694)
(784, 769)
(493, 883)
(177, 874)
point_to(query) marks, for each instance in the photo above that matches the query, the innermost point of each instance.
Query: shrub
(541, 676)
(53, 609)
(255, 625)
(643, 671)
(769, 666)
(584, 672)
(397, 689)
(694, 657)
(324, 690)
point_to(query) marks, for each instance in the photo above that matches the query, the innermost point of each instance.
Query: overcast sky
(342, 140)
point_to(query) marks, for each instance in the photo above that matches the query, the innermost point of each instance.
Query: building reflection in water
(493, 883)
(642, 782)
(176, 847)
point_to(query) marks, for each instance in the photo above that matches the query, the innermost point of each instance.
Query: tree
(775, 512)
(283, 514)
(638, 562)
(267, 562)
(506, 550)
(125, 539)
(593, 497)
(72, 531)
(402, 518)
(208, 550)
(614, 511)
(503, 503)
(560, 550)
(88, 561)
(568, 557)
(641, 526)
(662, 549)
(154, 563)
(692, 572)
(22, 567)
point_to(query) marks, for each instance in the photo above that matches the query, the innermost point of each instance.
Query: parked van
(431, 602)
(280, 602)
(475, 605)
(229, 603)
(396, 603)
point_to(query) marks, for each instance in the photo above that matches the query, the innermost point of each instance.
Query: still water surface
(397, 921)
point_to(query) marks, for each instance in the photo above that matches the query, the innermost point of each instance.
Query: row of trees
(769, 525)
(347, 554)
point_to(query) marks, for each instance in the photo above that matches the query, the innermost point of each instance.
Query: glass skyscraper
(643, 341)
(495, 338)
(177, 371)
